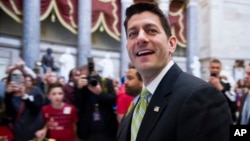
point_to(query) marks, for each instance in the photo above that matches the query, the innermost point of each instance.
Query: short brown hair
(215, 61)
(140, 7)
(54, 85)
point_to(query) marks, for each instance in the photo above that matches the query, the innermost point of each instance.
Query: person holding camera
(221, 83)
(22, 107)
(69, 88)
(95, 101)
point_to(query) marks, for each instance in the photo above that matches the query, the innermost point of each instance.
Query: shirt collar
(136, 99)
(153, 84)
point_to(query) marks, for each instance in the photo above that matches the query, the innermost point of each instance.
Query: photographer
(221, 83)
(22, 107)
(95, 99)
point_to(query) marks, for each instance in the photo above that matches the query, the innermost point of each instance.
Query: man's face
(28, 82)
(56, 96)
(247, 76)
(76, 75)
(148, 46)
(215, 68)
(133, 85)
(52, 78)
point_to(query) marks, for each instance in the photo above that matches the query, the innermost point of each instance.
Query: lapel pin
(156, 108)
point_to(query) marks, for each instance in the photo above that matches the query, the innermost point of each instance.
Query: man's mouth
(144, 52)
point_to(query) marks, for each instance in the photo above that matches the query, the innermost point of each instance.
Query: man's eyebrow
(144, 26)
(132, 28)
(150, 25)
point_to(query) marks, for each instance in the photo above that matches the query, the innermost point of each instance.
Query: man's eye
(132, 34)
(152, 31)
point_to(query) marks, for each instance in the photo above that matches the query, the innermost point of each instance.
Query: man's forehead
(52, 74)
(146, 16)
(215, 64)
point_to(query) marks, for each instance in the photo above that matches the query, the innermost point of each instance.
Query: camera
(213, 74)
(92, 78)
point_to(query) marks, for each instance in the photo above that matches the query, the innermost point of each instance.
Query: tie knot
(144, 93)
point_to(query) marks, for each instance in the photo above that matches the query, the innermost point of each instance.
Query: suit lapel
(124, 129)
(158, 102)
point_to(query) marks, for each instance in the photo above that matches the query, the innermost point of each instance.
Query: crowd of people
(84, 108)
(89, 107)
(42, 107)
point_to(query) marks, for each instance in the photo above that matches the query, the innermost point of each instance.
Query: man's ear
(172, 44)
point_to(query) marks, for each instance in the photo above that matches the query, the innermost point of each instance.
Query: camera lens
(92, 80)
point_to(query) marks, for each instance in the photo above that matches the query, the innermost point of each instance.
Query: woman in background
(23, 106)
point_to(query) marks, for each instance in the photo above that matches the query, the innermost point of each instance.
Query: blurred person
(95, 101)
(116, 85)
(123, 102)
(221, 83)
(6, 133)
(69, 88)
(240, 89)
(244, 116)
(49, 78)
(60, 117)
(2, 91)
(22, 108)
(174, 105)
(20, 64)
(133, 86)
(30, 83)
(61, 80)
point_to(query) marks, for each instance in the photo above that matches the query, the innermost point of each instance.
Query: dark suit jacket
(189, 110)
(243, 99)
(85, 101)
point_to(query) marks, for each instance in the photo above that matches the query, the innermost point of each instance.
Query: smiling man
(174, 105)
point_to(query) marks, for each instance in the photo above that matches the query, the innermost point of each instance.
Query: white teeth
(143, 52)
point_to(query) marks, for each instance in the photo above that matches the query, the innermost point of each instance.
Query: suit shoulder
(191, 80)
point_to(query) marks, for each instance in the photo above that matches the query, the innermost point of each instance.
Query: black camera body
(213, 74)
(92, 78)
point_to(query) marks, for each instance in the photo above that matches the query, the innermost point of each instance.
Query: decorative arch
(105, 15)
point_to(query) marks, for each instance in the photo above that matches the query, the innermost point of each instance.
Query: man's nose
(142, 37)
(141, 34)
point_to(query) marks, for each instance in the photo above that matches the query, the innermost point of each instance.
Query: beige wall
(223, 32)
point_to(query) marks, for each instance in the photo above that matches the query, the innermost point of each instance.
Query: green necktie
(138, 114)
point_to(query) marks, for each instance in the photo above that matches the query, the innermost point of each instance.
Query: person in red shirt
(129, 92)
(60, 117)
(123, 102)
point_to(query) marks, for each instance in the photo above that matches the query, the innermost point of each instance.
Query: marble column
(124, 55)
(31, 32)
(84, 32)
(192, 40)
